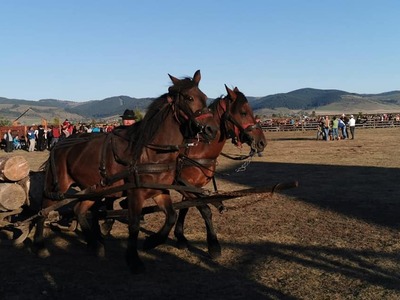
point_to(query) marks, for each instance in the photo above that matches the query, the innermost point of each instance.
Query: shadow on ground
(368, 193)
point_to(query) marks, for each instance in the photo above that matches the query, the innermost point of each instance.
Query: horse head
(190, 105)
(240, 122)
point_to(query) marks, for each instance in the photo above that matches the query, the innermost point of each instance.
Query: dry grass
(334, 237)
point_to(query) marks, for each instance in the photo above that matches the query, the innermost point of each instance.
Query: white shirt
(352, 122)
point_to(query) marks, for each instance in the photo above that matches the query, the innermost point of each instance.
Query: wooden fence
(313, 125)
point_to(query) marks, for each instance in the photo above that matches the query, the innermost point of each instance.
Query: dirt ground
(336, 236)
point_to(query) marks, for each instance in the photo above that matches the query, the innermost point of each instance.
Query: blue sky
(83, 50)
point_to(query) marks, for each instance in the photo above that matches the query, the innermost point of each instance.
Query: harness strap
(102, 167)
(92, 193)
(136, 170)
(199, 162)
(239, 157)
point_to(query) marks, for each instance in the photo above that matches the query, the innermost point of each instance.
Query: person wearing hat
(128, 118)
(352, 125)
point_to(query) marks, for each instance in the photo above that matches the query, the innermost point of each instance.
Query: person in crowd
(41, 138)
(346, 122)
(335, 128)
(23, 142)
(17, 143)
(327, 124)
(342, 128)
(96, 129)
(128, 118)
(55, 136)
(66, 128)
(31, 139)
(352, 125)
(320, 129)
(8, 140)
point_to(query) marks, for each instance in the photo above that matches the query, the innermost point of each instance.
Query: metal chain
(243, 167)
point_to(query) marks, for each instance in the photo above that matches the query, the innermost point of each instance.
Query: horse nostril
(261, 145)
(210, 131)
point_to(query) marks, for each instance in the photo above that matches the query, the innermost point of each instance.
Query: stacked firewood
(16, 183)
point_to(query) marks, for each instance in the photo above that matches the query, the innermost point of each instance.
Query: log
(13, 168)
(12, 196)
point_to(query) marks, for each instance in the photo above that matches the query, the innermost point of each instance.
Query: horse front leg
(164, 202)
(38, 238)
(135, 204)
(214, 248)
(90, 227)
(181, 241)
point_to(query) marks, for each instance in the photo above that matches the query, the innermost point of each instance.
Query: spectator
(32, 139)
(17, 143)
(342, 127)
(352, 125)
(326, 128)
(66, 128)
(320, 129)
(128, 118)
(335, 128)
(55, 135)
(41, 138)
(346, 122)
(8, 139)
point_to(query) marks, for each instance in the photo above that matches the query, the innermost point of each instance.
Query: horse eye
(243, 113)
(190, 98)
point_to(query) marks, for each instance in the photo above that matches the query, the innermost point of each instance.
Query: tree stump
(12, 196)
(13, 168)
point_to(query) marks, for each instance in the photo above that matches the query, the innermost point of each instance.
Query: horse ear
(173, 79)
(236, 89)
(197, 77)
(231, 93)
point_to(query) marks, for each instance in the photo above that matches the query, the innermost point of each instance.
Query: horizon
(82, 51)
(67, 100)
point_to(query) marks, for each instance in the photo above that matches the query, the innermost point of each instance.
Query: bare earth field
(336, 236)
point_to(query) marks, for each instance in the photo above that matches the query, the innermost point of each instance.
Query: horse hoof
(222, 209)
(182, 244)
(105, 228)
(96, 250)
(43, 253)
(136, 266)
(214, 251)
(101, 252)
(152, 241)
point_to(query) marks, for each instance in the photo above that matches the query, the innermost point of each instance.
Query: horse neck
(168, 134)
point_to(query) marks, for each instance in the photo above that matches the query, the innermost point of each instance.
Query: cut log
(13, 168)
(12, 196)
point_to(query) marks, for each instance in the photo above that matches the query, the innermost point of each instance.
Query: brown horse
(236, 121)
(136, 156)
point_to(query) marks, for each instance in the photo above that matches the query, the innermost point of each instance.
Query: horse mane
(213, 105)
(240, 101)
(143, 132)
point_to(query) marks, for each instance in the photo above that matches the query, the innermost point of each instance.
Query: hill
(50, 109)
(327, 102)
(305, 100)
